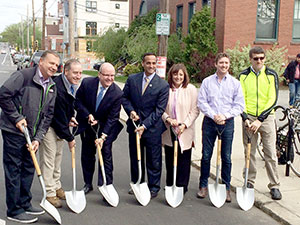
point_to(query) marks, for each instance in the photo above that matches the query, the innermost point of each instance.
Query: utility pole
(22, 33)
(163, 39)
(71, 29)
(44, 25)
(27, 29)
(33, 29)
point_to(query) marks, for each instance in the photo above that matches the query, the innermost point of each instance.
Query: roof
(53, 30)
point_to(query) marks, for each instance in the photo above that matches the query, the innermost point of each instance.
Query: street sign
(163, 23)
(161, 66)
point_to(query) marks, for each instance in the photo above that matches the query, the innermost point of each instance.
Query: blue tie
(100, 96)
(72, 89)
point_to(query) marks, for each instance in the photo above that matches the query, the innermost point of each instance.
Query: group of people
(56, 109)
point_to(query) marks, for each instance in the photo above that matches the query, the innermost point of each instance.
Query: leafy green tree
(110, 45)
(200, 43)
(175, 49)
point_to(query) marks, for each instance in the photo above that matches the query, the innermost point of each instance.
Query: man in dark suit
(145, 99)
(98, 103)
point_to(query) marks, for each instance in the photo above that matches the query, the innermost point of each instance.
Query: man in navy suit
(145, 99)
(98, 103)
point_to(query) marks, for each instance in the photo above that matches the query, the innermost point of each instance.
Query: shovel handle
(35, 162)
(175, 152)
(248, 155)
(138, 146)
(73, 157)
(100, 155)
(219, 152)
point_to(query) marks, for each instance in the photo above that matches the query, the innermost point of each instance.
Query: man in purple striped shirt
(220, 99)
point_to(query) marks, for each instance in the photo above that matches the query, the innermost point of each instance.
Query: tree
(200, 44)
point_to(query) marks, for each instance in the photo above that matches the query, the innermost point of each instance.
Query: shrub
(175, 49)
(132, 68)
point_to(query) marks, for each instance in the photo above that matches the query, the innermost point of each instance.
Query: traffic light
(36, 45)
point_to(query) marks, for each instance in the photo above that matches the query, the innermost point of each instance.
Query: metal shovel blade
(245, 197)
(110, 194)
(217, 194)
(174, 195)
(76, 200)
(141, 192)
(51, 210)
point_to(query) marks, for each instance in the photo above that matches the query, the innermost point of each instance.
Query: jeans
(294, 91)
(209, 135)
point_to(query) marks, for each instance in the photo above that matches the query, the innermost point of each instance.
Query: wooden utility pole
(71, 29)
(44, 25)
(28, 30)
(33, 29)
(163, 39)
(22, 33)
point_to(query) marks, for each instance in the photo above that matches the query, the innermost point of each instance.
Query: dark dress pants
(19, 172)
(89, 157)
(151, 148)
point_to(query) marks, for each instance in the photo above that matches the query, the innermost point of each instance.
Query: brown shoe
(202, 193)
(228, 197)
(60, 193)
(54, 201)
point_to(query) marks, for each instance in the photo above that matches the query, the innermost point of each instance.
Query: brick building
(255, 22)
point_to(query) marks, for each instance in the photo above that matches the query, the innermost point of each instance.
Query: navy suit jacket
(108, 112)
(150, 106)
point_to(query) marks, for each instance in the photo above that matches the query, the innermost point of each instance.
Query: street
(192, 211)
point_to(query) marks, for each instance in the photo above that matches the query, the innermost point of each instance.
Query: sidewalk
(287, 210)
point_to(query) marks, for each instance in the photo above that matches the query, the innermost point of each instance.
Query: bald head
(106, 74)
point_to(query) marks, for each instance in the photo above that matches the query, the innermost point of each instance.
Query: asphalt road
(192, 211)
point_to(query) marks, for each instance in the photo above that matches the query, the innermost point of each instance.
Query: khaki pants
(50, 161)
(267, 132)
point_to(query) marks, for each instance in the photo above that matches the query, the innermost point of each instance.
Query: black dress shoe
(87, 188)
(275, 193)
(154, 194)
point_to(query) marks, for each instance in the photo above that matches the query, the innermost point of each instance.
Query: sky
(12, 10)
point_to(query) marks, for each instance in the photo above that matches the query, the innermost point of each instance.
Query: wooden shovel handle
(100, 155)
(73, 157)
(219, 152)
(35, 162)
(175, 152)
(248, 155)
(138, 146)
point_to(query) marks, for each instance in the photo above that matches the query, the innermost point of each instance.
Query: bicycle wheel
(295, 161)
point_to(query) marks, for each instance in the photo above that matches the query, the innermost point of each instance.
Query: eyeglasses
(257, 58)
(108, 75)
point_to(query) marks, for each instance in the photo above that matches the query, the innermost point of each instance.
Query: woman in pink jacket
(181, 113)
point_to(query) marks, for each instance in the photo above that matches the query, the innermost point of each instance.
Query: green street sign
(163, 23)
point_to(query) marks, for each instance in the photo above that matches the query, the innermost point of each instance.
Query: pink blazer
(186, 112)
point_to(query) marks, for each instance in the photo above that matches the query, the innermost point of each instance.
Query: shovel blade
(217, 194)
(174, 195)
(76, 200)
(110, 194)
(245, 197)
(51, 210)
(141, 192)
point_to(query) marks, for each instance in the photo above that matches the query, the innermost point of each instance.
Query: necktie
(146, 84)
(99, 97)
(72, 89)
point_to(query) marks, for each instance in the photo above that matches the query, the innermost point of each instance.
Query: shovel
(140, 190)
(108, 191)
(174, 194)
(245, 195)
(47, 206)
(216, 191)
(75, 199)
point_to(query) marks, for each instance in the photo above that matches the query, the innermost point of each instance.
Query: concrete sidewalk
(287, 210)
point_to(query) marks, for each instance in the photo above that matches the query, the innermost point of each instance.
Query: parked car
(17, 58)
(97, 65)
(24, 63)
(35, 58)
(3, 51)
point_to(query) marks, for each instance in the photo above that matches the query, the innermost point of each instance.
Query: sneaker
(60, 193)
(23, 218)
(34, 211)
(275, 194)
(55, 201)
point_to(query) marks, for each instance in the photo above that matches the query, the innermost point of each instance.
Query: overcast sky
(12, 10)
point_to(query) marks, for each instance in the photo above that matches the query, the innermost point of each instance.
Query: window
(91, 6)
(266, 19)
(117, 5)
(143, 8)
(91, 28)
(117, 25)
(179, 17)
(192, 9)
(296, 25)
(206, 3)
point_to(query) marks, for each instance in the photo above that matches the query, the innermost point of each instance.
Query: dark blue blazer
(150, 106)
(108, 112)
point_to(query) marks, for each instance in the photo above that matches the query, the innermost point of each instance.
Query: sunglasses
(257, 58)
